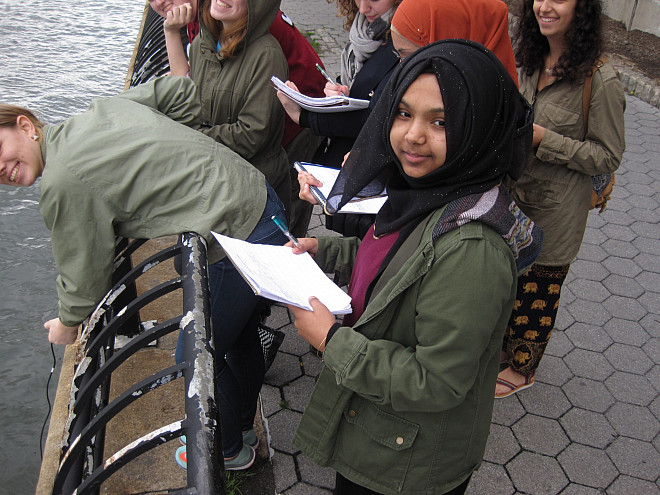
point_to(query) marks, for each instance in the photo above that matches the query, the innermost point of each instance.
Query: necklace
(548, 72)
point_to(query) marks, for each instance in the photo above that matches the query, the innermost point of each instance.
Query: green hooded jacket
(238, 100)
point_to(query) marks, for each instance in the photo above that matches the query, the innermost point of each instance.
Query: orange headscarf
(484, 21)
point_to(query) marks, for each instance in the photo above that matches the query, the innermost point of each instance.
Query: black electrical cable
(52, 370)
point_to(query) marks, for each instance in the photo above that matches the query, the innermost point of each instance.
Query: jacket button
(399, 440)
(352, 413)
(203, 51)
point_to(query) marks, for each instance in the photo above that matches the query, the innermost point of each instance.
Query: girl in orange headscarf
(420, 22)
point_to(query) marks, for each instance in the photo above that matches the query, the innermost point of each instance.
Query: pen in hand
(285, 230)
(325, 74)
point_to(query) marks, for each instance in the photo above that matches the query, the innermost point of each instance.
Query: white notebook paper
(275, 273)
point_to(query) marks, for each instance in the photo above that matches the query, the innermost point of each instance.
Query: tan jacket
(555, 189)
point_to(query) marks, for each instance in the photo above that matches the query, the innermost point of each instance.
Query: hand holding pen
(332, 88)
(285, 230)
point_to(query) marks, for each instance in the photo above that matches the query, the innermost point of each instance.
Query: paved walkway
(591, 423)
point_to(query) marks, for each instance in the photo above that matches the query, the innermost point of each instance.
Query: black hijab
(488, 127)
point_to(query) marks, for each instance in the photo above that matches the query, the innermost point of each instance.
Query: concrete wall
(635, 14)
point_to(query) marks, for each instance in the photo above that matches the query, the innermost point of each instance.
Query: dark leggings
(346, 487)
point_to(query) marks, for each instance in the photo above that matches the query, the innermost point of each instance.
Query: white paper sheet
(275, 273)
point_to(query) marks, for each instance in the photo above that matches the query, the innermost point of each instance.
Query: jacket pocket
(375, 444)
(561, 118)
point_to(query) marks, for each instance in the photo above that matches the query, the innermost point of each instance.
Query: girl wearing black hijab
(404, 401)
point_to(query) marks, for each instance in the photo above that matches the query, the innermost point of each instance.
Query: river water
(55, 57)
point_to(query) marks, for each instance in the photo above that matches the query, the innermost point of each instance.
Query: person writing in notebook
(405, 397)
(417, 23)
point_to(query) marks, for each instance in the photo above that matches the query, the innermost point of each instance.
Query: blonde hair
(228, 38)
(348, 9)
(10, 113)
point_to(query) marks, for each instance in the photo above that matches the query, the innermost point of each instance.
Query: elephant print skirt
(533, 316)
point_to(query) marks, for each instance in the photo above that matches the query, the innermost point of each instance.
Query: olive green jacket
(240, 108)
(555, 189)
(404, 402)
(127, 167)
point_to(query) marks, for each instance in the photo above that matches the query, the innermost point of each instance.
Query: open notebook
(326, 104)
(275, 273)
(328, 175)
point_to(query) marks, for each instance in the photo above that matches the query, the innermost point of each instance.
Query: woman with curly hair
(558, 45)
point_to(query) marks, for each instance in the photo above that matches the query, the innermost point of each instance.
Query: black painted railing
(83, 467)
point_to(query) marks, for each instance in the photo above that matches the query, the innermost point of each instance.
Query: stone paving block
(592, 252)
(651, 324)
(625, 307)
(298, 392)
(621, 266)
(544, 400)
(648, 261)
(654, 376)
(588, 428)
(621, 248)
(623, 286)
(281, 426)
(490, 479)
(628, 358)
(650, 281)
(645, 202)
(305, 489)
(646, 229)
(293, 343)
(502, 445)
(553, 371)
(270, 399)
(651, 302)
(589, 312)
(560, 344)
(593, 236)
(617, 233)
(626, 485)
(623, 218)
(633, 421)
(507, 411)
(588, 394)
(626, 332)
(312, 364)
(629, 388)
(587, 466)
(313, 474)
(575, 489)
(279, 316)
(635, 458)
(591, 290)
(652, 349)
(551, 442)
(535, 473)
(284, 472)
(589, 337)
(284, 369)
(588, 364)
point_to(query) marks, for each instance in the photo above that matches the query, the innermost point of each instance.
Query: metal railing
(83, 467)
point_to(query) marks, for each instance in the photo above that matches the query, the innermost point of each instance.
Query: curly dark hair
(348, 10)
(584, 39)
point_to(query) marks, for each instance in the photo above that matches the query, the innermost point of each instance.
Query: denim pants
(235, 315)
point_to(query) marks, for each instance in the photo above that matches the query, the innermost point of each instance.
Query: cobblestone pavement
(591, 423)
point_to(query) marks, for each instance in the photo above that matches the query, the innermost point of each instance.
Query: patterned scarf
(497, 210)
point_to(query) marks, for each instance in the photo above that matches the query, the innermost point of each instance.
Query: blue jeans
(235, 315)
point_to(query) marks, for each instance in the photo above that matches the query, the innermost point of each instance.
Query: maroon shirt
(370, 256)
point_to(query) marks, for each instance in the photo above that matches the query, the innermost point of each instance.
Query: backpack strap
(586, 92)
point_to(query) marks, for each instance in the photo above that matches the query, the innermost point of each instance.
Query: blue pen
(285, 230)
